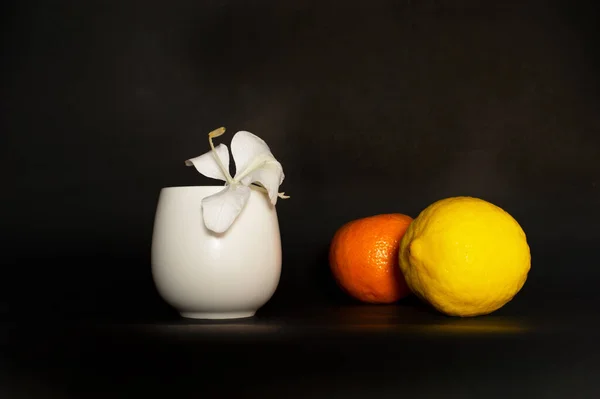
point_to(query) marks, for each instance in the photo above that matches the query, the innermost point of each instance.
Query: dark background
(371, 107)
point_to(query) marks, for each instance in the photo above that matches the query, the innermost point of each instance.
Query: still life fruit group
(462, 255)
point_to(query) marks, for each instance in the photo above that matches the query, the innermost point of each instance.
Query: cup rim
(173, 187)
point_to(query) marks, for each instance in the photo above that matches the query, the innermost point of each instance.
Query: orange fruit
(363, 258)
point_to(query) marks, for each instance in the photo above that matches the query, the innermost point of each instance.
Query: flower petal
(248, 150)
(207, 165)
(254, 162)
(270, 176)
(221, 209)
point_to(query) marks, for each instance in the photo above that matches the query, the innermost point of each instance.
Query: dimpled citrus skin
(465, 256)
(363, 258)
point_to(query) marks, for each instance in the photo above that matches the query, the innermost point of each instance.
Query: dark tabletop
(541, 349)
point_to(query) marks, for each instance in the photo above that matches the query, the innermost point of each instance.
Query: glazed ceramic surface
(214, 276)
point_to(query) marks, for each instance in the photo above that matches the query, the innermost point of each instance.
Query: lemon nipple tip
(416, 248)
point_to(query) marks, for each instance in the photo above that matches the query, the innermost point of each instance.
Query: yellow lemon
(465, 256)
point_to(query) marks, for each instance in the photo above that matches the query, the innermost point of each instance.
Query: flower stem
(216, 133)
(264, 190)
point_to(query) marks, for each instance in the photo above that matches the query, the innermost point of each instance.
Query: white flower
(256, 168)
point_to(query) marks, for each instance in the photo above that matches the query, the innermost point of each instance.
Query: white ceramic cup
(205, 275)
